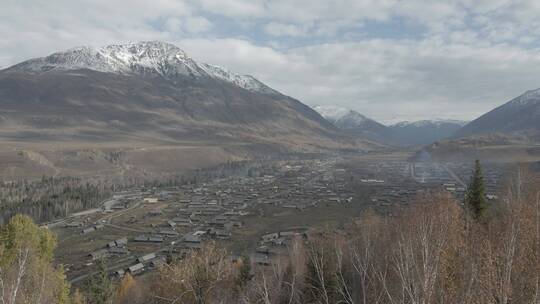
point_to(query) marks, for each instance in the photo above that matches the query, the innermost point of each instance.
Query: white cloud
(197, 25)
(190, 25)
(37, 28)
(173, 24)
(283, 29)
(462, 57)
(386, 79)
(234, 8)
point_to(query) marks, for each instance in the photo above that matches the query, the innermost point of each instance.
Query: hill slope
(520, 115)
(508, 133)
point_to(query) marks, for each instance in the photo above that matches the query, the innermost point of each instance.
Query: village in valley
(257, 213)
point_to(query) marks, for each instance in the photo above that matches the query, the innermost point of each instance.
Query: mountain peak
(147, 58)
(160, 57)
(529, 97)
(334, 114)
(519, 115)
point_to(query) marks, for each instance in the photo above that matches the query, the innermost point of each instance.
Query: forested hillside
(50, 198)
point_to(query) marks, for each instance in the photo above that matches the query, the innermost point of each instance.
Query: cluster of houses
(180, 219)
(272, 245)
(117, 247)
(396, 182)
(144, 262)
(92, 228)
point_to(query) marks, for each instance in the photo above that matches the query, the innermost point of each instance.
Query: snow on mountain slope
(429, 123)
(356, 124)
(403, 133)
(143, 58)
(331, 112)
(531, 97)
(244, 81)
(341, 117)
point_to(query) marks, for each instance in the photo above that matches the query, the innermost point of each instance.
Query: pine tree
(244, 272)
(100, 288)
(476, 196)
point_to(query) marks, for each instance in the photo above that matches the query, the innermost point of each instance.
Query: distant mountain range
(356, 124)
(425, 131)
(150, 91)
(148, 103)
(402, 134)
(518, 120)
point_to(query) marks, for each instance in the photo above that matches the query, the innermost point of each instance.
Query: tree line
(50, 197)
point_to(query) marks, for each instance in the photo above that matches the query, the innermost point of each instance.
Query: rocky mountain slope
(520, 116)
(508, 133)
(147, 95)
(148, 89)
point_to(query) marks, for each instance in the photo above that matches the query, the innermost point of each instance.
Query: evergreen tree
(244, 272)
(476, 194)
(100, 287)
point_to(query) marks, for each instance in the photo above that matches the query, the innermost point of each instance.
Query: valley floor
(254, 211)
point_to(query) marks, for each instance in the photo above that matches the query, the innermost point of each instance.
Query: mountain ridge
(401, 134)
(148, 110)
(427, 122)
(355, 124)
(520, 115)
(150, 89)
(142, 58)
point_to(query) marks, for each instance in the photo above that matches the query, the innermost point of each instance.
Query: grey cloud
(472, 54)
(387, 78)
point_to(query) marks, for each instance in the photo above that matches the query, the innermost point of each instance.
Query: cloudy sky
(389, 59)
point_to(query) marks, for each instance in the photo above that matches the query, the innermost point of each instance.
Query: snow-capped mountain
(150, 92)
(519, 115)
(403, 134)
(341, 117)
(143, 58)
(531, 97)
(354, 123)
